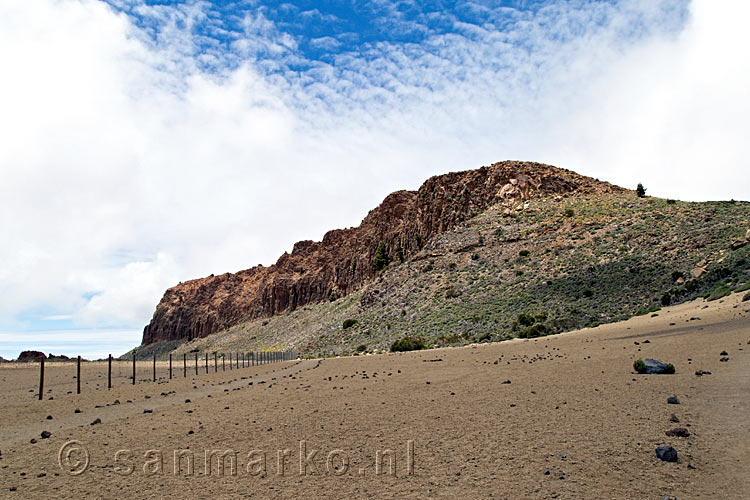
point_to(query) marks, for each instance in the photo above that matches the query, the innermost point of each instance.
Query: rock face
(344, 261)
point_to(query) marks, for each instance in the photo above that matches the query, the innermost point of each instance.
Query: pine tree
(640, 190)
(381, 257)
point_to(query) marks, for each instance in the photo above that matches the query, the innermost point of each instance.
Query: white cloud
(125, 168)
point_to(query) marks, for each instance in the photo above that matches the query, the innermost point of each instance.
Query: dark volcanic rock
(678, 432)
(666, 453)
(673, 400)
(655, 367)
(343, 261)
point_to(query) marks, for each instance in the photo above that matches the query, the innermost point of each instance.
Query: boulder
(655, 367)
(666, 453)
(673, 400)
(697, 272)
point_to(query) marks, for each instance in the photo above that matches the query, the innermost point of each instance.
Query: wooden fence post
(109, 372)
(41, 378)
(223, 364)
(184, 365)
(196, 364)
(216, 362)
(206, 362)
(78, 375)
(133, 369)
(170, 366)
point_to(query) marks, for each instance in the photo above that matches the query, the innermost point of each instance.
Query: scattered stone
(46, 434)
(700, 373)
(506, 382)
(678, 432)
(723, 353)
(673, 400)
(691, 466)
(77, 410)
(547, 472)
(148, 411)
(96, 421)
(187, 400)
(724, 359)
(646, 341)
(32, 441)
(669, 497)
(41, 474)
(674, 419)
(666, 454)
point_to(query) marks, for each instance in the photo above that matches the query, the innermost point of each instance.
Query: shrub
(746, 297)
(569, 212)
(381, 257)
(525, 319)
(640, 366)
(537, 330)
(588, 292)
(669, 369)
(666, 299)
(348, 323)
(418, 239)
(475, 256)
(400, 253)
(485, 337)
(640, 190)
(361, 348)
(408, 344)
(452, 292)
(524, 253)
(677, 275)
(671, 202)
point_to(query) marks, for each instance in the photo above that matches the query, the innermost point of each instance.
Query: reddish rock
(344, 260)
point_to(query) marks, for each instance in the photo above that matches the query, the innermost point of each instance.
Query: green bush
(669, 369)
(588, 292)
(348, 323)
(452, 292)
(666, 299)
(408, 344)
(381, 257)
(361, 348)
(569, 212)
(537, 330)
(525, 319)
(640, 366)
(524, 253)
(640, 190)
(718, 292)
(746, 297)
(475, 256)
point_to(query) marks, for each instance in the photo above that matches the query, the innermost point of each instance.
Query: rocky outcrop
(344, 260)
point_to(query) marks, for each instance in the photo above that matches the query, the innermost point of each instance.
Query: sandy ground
(575, 422)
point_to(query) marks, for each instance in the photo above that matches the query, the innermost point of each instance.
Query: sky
(144, 143)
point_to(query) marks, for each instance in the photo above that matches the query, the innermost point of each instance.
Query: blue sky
(147, 143)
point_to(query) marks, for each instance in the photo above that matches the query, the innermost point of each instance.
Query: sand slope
(573, 408)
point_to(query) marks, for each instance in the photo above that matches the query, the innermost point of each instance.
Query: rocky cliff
(345, 259)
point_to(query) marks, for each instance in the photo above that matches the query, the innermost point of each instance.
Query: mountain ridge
(344, 260)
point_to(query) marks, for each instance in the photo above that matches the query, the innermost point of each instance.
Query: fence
(192, 362)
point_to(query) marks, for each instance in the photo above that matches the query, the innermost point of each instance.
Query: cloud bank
(144, 145)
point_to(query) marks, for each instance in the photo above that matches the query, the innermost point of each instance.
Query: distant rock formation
(344, 260)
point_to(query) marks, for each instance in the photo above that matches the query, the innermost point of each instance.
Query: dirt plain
(575, 421)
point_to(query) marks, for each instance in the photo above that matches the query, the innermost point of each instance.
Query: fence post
(170, 366)
(196, 364)
(184, 365)
(109, 372)
(243, 360)
(41, 378)
(207, 362)
(223, 363)
(133, 369)
(78, 375)
(237, 359)
(216, 362)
